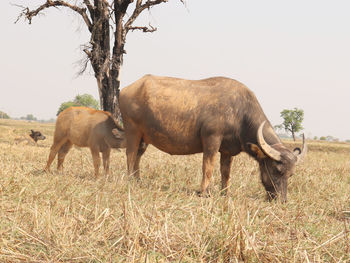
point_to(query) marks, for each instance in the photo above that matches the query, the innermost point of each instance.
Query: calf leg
(211, 146)
(62, 154)
(96, 160)
(105, 157)
(225, 169)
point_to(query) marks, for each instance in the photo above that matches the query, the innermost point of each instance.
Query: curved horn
(271, 152)
(302, 154)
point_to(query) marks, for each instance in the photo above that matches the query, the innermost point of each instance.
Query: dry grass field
(75, 217)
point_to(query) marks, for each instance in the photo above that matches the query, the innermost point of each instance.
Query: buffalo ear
(297, 151)
(257, 151)
(118, 134)
(32, 131)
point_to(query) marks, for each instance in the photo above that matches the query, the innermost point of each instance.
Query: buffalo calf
(86, 127)
(31, 138)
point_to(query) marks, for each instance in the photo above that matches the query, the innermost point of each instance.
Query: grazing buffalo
(32, 138)
(211, 115)
(86, 127)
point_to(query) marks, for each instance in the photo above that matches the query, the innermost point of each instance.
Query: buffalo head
(277, 164)
(36, 135)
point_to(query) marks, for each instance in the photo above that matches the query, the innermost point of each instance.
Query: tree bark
(107, 69)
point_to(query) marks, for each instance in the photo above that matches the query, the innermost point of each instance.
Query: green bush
(86, 100)
(4, 115)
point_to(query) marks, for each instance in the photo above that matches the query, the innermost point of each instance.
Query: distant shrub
(4, 115)
(29, 117)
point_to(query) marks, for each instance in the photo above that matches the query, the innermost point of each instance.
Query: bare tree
(103, 18)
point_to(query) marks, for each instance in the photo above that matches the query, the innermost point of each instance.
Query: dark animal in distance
(32, 138)
(211, 115)
(86, 127)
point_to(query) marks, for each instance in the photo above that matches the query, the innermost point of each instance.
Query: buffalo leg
(105, 158)
(62, 154)
(140, 152)
(211, 146)
(96, 160)
(53, 151)
(133, 140)
(225, 169)
(208, 166)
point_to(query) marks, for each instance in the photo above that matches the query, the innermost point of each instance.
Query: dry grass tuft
(74, 217)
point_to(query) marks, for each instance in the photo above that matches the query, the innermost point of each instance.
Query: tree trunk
(293, 134)
(107, 69)
(109, 93)
(112, 94)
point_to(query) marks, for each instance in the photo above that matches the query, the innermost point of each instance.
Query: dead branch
(29, 14)
(87, 52)
(137, 11)
(144, 29)
(89, 6)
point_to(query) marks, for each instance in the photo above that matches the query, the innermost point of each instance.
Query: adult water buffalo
(86, 127)
(211, 115)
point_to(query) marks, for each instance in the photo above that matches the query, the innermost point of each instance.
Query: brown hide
(191, 116)
(86, 127)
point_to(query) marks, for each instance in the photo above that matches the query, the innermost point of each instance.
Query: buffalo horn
(271, 152)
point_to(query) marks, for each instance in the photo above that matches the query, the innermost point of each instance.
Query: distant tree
(87, 100)
(4, 115)
(29, 117)
(80, 100)
(323, 138)
(315, 138)
(330, 138)
(66, 105)
(292, 121)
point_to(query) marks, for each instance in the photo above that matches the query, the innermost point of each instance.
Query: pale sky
(292, 53)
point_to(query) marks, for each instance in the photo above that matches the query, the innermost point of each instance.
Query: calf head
(37, 135)
(277, 164)
(119, 136)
